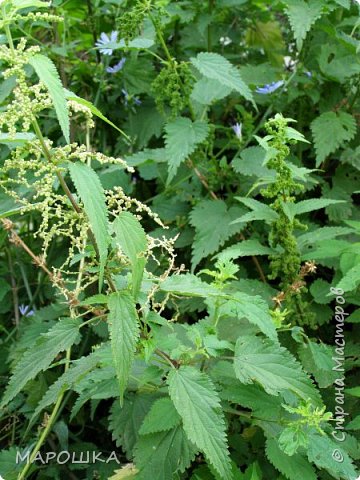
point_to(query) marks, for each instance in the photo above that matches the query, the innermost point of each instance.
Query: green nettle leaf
(307, 206)
(124, 334)
(302, 15)
(244, 249)
(19, 4)
(212, 221)
(128, 472)
(59, 338)
(331, 130)
(321, 235)
(260, 211)
(264, 406)
(350, 280)
(189, 285)
(182, 136)
(67, 380)
(330, 456)
(125, 421)
(317, 360)
(159, 456)
(207, 90)
(48, 74)
(273, 367)
(162, 416)
(131, 237)
(198, 404)
(16, 140)
(95, 111)
(217, 67)
(294, 467)
(254, 309)
(91, 193)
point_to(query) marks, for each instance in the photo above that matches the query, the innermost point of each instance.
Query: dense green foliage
(180, 254)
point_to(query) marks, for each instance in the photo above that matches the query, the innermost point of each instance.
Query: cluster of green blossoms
(287, 263)
(172, 87)
(130, 22)
(34, 167)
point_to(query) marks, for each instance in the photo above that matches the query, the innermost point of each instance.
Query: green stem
(161, 39)
(49, 159)
(48, 427)
(9, 38)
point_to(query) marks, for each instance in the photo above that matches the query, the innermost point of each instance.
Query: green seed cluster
(285, 265)
(172, 87)
(130, 22)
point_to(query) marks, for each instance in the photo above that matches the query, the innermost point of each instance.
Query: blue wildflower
(128, 98)
(308, 74)
(116, 68)
(237, 130)
(270, 87)
(104, 40)
(24, 310)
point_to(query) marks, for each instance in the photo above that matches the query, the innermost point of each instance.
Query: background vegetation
(179, 225)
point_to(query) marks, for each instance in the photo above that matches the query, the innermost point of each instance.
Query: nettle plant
(228, 396)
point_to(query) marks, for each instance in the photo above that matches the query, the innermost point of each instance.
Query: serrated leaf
(319, 289)
(181, 138)
(217, 67)
(95, 111)
(244, 249)
(207, 91)
(260, 211)
(125, 422)
(294, 467)
(189, 285)
(212, 221)
(316, 359)
(321, 452)
(125, 473)
(307, 206)
(91, 193)
(159, 456)
(59, 338)
(350, 280)
(320, 235)
(273, 367)
(162, 416)
(131, 237)
(66, 381)
(263, 405)
(20, 4)
(302, 16)
(124, 333)
(254, 309)
(48, 74)
(17, 139)
(250, 162)
(331, 130)
(198, 404)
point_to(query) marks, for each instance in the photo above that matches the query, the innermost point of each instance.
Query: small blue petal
(116, 68)
(237, 130)
(269, 88)
(104, 40)
(24, 310)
